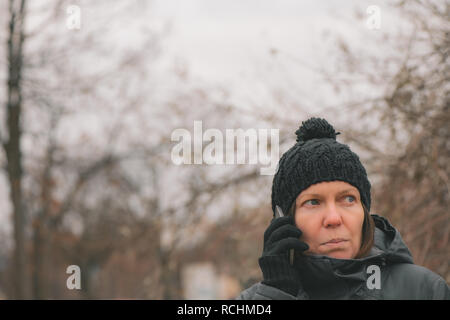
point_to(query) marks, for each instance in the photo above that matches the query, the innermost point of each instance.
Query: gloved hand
(281, 236)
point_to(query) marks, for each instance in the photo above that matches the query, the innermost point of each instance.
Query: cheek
(299, 221)
(355, 227)
(358, 224)
(354, 221)
(309, 225)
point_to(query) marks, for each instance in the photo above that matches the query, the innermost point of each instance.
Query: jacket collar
(330, 278)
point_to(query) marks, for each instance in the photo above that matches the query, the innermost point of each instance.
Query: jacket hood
(388, 240)
(344, 277)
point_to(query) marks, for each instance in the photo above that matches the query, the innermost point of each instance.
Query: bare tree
(404, 128)
(12, 145)
(49, 200)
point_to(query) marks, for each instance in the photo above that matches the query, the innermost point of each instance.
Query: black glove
(281, 236)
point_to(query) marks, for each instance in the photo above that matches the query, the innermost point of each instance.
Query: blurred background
(91, 92)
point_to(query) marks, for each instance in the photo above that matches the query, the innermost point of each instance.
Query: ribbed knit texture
(317, 157)
(279, 274)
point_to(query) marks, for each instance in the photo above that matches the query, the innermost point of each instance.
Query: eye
(312, 202)
(353, 199)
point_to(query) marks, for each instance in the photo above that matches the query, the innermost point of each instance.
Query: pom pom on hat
(315, 128)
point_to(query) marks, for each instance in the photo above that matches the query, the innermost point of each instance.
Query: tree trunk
(12, 145)
(42, 233)
(39, 278)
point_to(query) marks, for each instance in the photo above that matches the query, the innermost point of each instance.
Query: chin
(340, 255)
(332, 254)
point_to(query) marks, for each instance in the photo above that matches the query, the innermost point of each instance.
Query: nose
(332, 217)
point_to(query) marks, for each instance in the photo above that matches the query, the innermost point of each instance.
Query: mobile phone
(278, 214)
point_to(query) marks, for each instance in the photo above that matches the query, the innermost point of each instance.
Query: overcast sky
(226, 41)
(229, 43)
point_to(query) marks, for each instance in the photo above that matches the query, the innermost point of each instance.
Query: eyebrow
(319, 195)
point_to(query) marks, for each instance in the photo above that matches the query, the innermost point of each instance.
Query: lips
(334, 241)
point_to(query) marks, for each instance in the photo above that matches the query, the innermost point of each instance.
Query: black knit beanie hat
(316, 157)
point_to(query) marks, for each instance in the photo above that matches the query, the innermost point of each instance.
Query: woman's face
(330, 215)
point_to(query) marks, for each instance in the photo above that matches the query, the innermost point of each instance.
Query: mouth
(334, 242)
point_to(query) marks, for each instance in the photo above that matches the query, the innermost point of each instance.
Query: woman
(328, 246)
